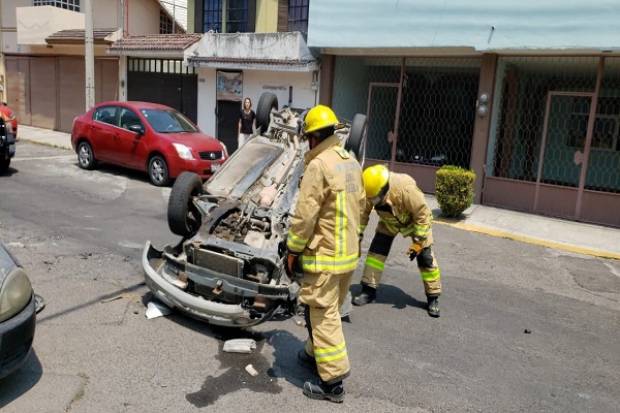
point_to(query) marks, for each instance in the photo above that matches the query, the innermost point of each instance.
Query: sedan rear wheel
(86, 157)
(158, 171)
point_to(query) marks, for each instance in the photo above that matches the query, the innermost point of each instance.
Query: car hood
(196, 141)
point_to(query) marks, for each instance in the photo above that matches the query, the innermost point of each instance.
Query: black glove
(292, 265)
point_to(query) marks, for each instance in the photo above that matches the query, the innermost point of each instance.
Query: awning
(100, 36)
(154, 45)
(280, 52)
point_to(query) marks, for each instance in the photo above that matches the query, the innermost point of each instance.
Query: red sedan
(145, 136)
(8, 116)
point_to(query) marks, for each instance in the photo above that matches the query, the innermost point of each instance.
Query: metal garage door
(71, 91)
(43, 90)
(18, 88)
(48, 92)
(169, 82)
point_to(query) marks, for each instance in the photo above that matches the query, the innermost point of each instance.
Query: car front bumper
(16, 335)
(232, 315)
(204, 168)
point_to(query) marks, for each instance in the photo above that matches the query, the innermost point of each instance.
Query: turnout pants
(323, 294)
(378, 253)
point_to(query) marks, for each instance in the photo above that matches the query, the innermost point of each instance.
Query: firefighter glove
(292, 265)
(414, 250)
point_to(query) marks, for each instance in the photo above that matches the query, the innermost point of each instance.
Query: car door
(103, 132)
(129, 142)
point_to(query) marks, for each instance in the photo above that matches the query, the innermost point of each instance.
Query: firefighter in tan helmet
(402, 209)
(323, 241)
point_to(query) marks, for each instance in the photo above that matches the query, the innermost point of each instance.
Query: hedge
(454, 190)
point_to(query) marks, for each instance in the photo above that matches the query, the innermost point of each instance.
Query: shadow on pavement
(235, 377)
(11, 171)
(21, 381)
(389, 294)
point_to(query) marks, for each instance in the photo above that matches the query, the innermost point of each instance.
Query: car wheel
(86, 156)
(184, 219)
(266, 103)
(356, 142)
(5, 162)
(158, 171)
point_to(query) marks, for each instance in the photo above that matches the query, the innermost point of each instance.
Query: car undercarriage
(229, 268)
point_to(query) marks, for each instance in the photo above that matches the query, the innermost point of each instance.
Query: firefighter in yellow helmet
(402, 209)
(323, 241)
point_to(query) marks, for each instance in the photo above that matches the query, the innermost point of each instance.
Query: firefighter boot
(433, 306)
(323, 391)
(367, 295)
(306, 360)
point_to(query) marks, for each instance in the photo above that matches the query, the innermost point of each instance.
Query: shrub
(454, 189)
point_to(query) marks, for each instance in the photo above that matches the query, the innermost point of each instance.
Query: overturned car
(229, 267)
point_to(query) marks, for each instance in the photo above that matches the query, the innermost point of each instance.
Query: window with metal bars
(298, 15)
(165, 23)
(237, 16)
(212, 16)
(73, 5)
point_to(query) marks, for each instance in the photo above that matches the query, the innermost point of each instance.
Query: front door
(228, 123)
(381, 117)
(128, 142)
(103, 133)
(562, 153)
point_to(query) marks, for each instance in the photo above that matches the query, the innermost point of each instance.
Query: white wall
(143, 17)
(255, 82)
(206, 101)
(106, 14)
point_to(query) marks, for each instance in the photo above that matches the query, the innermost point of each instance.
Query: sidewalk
(46, 137)
(554, 233)
(576, 237)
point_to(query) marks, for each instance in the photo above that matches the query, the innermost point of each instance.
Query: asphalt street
(79, 234)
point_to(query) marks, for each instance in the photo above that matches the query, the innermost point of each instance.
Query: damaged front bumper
(161, 271)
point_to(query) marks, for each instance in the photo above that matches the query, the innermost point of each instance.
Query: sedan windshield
(168, 121)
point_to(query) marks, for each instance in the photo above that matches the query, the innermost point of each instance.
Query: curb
(493, 232)
(42, 143)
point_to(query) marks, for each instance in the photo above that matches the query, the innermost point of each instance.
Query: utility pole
(89, 54)
(174, 15)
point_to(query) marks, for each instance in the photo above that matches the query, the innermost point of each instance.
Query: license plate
(12, 149)
(215, 167)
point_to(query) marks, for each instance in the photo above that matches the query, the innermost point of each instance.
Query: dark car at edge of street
(17, 314)
(7, 145)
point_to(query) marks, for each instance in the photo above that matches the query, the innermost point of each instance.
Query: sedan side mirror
(137, 128)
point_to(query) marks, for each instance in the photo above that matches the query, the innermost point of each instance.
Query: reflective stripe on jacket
(325, 223)
(404, 211)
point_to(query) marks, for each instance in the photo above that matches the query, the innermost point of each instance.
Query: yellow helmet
(375, 178)
(319, 117)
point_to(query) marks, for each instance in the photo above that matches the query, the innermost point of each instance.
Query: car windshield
(168, 121)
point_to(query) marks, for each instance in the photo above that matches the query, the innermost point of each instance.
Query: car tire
(86, 156)
(184, 219)
(159, 175)
(5, 162)
(266, 103)
(356, 142)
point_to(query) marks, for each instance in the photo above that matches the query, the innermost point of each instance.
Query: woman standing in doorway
(246, 122)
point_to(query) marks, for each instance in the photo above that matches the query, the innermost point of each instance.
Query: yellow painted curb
(529, 240)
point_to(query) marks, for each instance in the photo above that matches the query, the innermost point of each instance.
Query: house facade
(524, 93)
(42, 74)
(250, 47)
